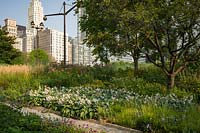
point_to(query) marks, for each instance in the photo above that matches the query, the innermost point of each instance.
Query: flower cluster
(78, 102)
(83, 102)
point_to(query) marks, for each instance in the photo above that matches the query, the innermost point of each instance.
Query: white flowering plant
(83, 102)
(78, 102)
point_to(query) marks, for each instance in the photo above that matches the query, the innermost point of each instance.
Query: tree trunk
(136, 66)
(170, 81)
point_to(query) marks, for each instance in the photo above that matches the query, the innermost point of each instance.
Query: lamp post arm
(70, 9)
(56, 14)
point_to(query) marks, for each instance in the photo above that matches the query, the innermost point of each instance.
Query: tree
(108, 27)
(171, 31)
(38, 56)
(7, 52)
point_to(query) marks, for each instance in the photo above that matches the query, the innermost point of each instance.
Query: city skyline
(19, 11)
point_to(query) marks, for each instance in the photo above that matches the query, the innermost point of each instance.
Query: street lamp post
(37, 27)
(64, 25)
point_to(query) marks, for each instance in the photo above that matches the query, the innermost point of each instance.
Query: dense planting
(111, 93)
(126, 108)
(154, 118)
(13, 121)
(78, 102)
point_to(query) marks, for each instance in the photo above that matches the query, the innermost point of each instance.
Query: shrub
(151, 74)
(138, 85)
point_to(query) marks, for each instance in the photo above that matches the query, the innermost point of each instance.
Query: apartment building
(52, 41)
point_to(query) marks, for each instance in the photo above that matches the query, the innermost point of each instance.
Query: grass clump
(152, 118)
(16, 80)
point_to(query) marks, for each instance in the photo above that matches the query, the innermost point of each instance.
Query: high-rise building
(12, 29)
(84, 53)
(35, 14)
(74, 42)
(21, 34)
(21, 31)
(52, 41)
(28, 42)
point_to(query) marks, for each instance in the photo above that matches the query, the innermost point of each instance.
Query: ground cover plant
(143, 112)
(77, 102)
(13, 121)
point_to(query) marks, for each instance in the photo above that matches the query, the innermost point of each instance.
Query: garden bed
(129, 109)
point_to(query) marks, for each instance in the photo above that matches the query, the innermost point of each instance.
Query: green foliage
(194, 67)
(7, 52)
(103, 73)
(108, 31)
(167, 28)
(152, 74)
(121, 65)
(138, 85)
(33, 58)
(38, 56)
(153, 118)
(15, 122)
(189, 82)
(112, 93)
(64, 78)
(166, 32)
(20, 60)
(75, 75)
(76, 102)
(13, 86)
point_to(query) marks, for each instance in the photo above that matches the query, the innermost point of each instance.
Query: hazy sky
(18, 10)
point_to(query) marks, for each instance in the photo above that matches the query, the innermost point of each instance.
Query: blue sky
(18, 10)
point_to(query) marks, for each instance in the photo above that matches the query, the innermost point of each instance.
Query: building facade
(82, 53)
(35, 14)
(21, 31)
(74, 42)
(28, 42)
(52, 41)
(12, 29)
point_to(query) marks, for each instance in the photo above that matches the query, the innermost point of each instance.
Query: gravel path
(107, 128)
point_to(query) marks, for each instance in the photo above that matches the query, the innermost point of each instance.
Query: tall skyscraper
(35, 14)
